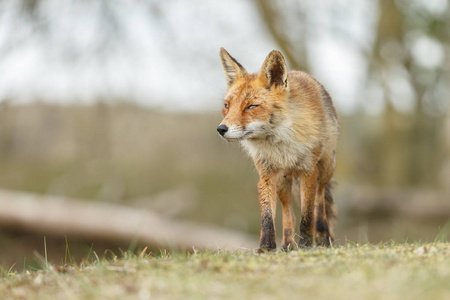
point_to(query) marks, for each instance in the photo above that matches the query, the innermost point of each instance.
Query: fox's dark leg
(308, 187)
(267, 203)
(323, 237)
(325, 211)
(284, 187)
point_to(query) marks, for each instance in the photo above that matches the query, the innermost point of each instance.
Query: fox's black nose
(222, 129)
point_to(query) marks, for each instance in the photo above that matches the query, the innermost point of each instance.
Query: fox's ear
(233, 70)
(274, 70)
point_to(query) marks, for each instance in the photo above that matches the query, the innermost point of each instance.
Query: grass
(383, 271)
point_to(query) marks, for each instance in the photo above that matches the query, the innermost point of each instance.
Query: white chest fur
(280, 149)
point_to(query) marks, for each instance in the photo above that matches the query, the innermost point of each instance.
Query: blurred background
(116, 104)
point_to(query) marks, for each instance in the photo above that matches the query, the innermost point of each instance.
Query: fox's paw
(267, 242)
(323, 240)
(265, 250)
(289, 245)
(323, 237)
(305, 241)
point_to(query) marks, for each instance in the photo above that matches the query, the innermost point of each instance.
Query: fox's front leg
(267, 203)
(308, 188)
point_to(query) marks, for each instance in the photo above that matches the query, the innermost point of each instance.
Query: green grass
(384, 271)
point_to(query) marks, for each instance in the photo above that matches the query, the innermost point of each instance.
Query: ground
(383, 271)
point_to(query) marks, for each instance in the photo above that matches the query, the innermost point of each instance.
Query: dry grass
(384, 271)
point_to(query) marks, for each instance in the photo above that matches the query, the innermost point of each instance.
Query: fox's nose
(222, 129)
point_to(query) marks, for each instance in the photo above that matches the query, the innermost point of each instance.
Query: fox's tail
(330, 208)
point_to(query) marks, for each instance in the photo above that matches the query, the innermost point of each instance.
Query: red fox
(287, 123)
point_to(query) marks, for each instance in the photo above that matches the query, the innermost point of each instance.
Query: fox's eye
(226, 105)
(251, 106)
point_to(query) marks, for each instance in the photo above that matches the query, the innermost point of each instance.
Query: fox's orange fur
(287, 123)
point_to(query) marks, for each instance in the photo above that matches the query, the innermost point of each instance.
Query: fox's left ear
(233, 70)
(274, 70)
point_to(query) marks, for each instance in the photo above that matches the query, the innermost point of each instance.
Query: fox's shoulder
(300, 76)
(304, 89)
(303, 82)
(307, 91)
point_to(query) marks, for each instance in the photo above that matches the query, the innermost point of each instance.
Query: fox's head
(253, 102)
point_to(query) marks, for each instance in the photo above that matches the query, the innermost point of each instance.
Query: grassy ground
(384, 271)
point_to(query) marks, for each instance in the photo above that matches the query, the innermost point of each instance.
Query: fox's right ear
(233, 70)
(274, 70)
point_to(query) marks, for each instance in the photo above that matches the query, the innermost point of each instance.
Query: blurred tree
(407, 36)
(274, 15)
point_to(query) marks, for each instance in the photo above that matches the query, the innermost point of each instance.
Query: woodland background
(118, 102)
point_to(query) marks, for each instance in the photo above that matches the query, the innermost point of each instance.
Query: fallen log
(52, 215)
(364, 201)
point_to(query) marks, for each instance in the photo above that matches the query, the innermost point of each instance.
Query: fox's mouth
(245, 135)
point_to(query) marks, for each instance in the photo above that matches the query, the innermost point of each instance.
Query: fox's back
(312, 109)
(311, 97)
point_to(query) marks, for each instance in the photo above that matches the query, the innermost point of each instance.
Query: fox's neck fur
(280, 149)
